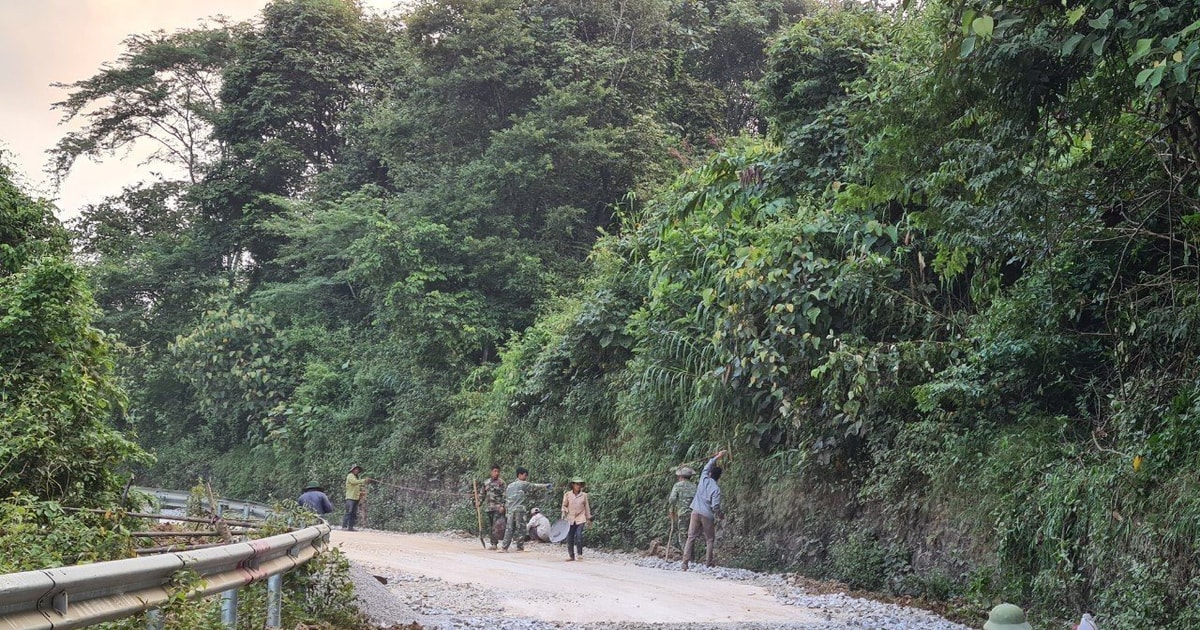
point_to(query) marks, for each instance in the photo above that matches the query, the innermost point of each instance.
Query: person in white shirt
(539, 526)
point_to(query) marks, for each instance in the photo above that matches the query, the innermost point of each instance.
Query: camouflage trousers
(679, 535)
(515, 528)
(492, 517)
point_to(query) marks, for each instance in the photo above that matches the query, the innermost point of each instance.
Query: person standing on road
(493, 498)
(515, 497)
(314, 498)
(679, 504)
(578, 513)
(706, 511)
(355, 489)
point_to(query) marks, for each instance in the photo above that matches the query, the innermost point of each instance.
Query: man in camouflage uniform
(679, 503)
(517, 497)
(493, 498)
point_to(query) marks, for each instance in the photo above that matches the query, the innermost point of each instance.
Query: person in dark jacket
(313, 497)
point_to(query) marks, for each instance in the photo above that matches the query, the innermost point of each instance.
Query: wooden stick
(186, 519)
(183, 534)
(173, 548)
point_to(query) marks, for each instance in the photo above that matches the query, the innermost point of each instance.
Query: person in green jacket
(355, 489)
(679, 505)
(516, 497)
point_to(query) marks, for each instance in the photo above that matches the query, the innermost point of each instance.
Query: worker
(577, 511)
(706, 511)
(356, 491)
(679, 505)
(516, 495)
(493, 499)
(314, 498)
(539, 526)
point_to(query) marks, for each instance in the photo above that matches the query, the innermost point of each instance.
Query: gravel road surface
(443, 581)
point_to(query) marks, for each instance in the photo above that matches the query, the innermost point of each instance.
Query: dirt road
(453, 582)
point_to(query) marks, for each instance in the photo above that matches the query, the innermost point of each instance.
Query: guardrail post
(154, 619)
(229, 606)
(275, 601)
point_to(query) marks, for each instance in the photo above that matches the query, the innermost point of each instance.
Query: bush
(862, 562)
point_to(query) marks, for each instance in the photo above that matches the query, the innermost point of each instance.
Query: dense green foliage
(58, 395)
(57, 389)
(931, 273)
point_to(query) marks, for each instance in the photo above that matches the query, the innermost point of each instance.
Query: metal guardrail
(178, 500)
(82, 595)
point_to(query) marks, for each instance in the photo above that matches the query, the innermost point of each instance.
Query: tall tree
(163, 90)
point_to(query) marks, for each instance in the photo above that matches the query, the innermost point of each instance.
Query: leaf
(1143, 76)
(983, 25)
(1156, 75)
(1141, 49)
(1073, 15)
(1098, 46)
(1068, 46)
(1101, 21)
(967, 47)
(968, 17)
(1005, 24)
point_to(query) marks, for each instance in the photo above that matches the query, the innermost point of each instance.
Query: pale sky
(49, 41)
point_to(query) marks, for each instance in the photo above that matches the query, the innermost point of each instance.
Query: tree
(163, 89)
(287, 101)
(57, 390)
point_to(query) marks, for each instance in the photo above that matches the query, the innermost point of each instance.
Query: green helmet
(1007, 617)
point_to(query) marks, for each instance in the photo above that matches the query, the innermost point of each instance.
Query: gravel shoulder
(444, 581)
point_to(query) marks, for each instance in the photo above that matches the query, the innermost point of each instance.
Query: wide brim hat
(578, 480)
(356, 466)
(685, 471)
(312, 485)
(1007, 617)
(535, 511)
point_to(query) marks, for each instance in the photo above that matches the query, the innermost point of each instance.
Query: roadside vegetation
(930, 271)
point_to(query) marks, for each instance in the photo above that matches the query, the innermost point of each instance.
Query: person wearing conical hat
(578, 513)
(314, 498)
(355, 491)
(679, 503)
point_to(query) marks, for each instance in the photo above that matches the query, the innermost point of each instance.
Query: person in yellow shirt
(355, 489)
(578, 512)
